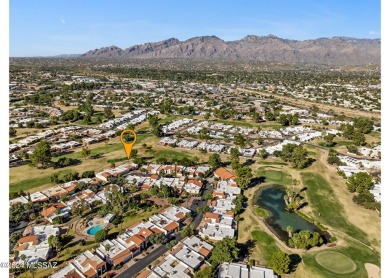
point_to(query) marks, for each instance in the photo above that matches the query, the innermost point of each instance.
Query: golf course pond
(271, 199)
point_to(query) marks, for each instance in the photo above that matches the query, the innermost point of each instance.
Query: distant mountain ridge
(331, 51)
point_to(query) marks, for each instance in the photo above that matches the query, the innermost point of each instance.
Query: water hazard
(271, 199)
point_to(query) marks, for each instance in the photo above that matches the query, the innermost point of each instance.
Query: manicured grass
(262, 212)
(356, 252)
(171, 154)
(106, 148)
(335, 262)
(41, 177)
(343, 143)
(265, 243)
(274, 176)
(272, 163)
(28, 184)
(171, 118)
(35, 182)
(323, 201)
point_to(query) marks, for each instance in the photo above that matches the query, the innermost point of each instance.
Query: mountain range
(329, 51)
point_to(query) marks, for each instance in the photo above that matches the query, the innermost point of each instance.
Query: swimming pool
(92, 231)
(90, 223)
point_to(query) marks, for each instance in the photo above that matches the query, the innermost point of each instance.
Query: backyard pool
(92, 231)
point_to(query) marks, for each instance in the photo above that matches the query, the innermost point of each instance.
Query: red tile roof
(50, 210)
(171, 226)
(224, 174)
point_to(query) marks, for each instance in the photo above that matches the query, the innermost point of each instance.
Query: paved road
(158, 252)
(144, 262)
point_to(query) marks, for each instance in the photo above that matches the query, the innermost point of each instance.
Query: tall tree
(280, 263)
(215, 160)
(108, 113)
(225, 250)
(41, 157)
(244, 177)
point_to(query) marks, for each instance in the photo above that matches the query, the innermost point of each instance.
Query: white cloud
(62, 20)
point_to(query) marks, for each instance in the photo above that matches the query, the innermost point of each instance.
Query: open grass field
(335, 262)
(265, 244)
(324, 202)
(262, 162)
(170, 118)
(172, 154)
(274, 175)
(40, 178)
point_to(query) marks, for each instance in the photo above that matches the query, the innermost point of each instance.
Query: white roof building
(236, 270)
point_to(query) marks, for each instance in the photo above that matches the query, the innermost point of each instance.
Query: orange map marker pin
(128, 146)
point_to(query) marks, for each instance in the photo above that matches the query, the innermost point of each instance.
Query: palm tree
(290, 231)
(107, 247)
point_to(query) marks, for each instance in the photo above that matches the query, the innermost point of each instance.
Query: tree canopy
(360, 182)
(296, 155)
(280, 263)
(41, 157)
(244, 176)
(225, 250)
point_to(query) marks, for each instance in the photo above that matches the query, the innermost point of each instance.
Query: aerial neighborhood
(233, 173)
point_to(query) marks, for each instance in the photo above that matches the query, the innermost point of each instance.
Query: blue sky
(47, 27)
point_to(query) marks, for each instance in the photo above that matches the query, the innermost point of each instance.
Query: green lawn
(343, 143)
(322, 199)
(35, 182)
(261, 212)
(171, 154)
(335, 262)
(28, 184)
(359, 255)
(274, 176)
(272, 163)
(107, 148)
(265, 243)
(171, 118)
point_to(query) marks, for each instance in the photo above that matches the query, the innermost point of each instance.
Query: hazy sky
(52, 27)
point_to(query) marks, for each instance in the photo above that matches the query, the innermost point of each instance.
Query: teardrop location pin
(126, 145)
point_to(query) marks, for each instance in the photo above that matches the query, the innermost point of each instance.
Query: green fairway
(28, 184)
(172, 118)
(31, 183)
(272, 163)
(41, 177)
(323, 201)
(107, 148)
(335, 262)
(171, 154)
(265, 243)
(274, 176)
